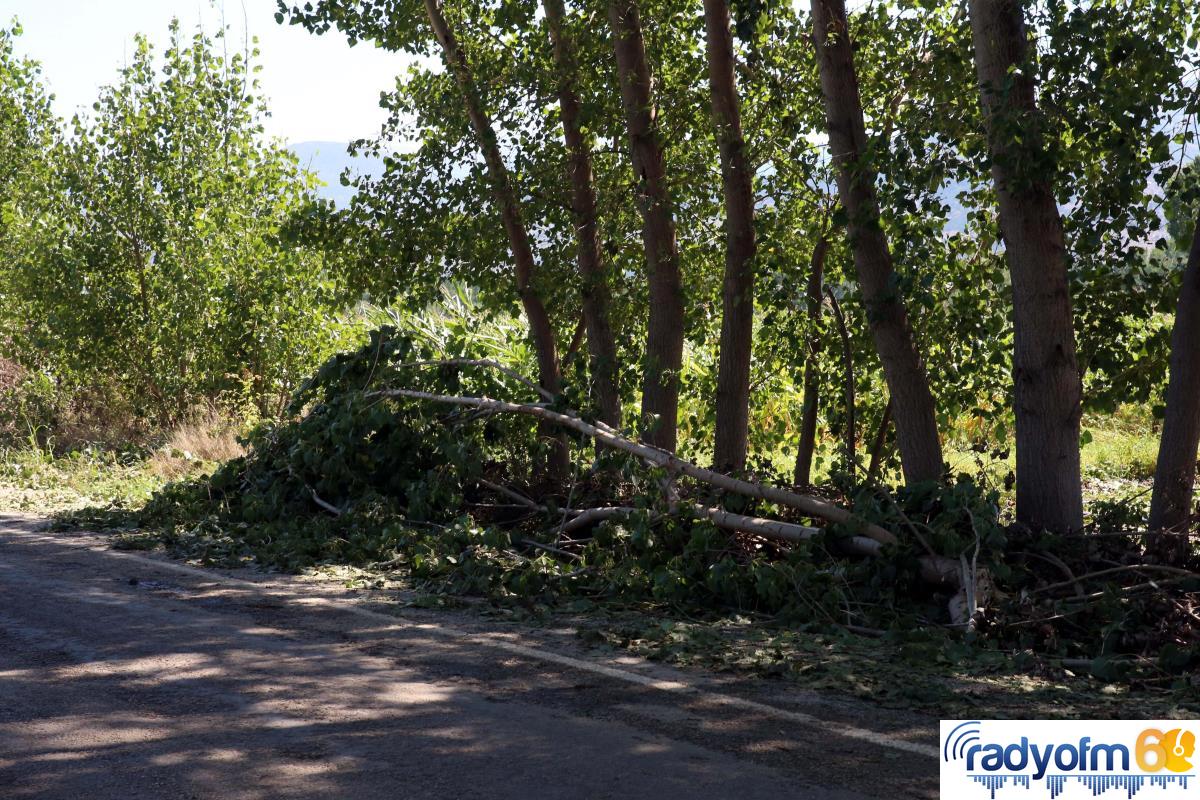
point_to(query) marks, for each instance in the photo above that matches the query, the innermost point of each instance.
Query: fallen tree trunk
(973, 587)
(768, 528)
(674, 465)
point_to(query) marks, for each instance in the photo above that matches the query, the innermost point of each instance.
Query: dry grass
(102, 421)
(39, 479)
(206, 436)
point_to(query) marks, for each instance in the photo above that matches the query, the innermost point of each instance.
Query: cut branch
(593, 515)
(330, 507)
(549, 549)
(769, 528)
(659, 458)
(511, 495)
(1182, 573)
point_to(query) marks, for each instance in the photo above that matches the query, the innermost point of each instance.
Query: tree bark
(1175, 474)
(814, 297)
(876, 463)
(540, 329)
(1047, 389)
(737, 296)
(593, 276)
(850, 434)
(916, 421)
(664, 327)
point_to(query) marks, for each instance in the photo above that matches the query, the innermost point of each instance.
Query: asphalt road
(126, 676)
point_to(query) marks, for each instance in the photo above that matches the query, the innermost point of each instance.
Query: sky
(318, 88)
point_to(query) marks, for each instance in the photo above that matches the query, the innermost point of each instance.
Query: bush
(144, 267)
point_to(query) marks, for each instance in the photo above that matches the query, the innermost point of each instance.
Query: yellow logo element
(1171, 750)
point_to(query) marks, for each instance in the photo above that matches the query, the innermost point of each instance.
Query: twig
(511, 495)
(567, 510)
(330, 507)
(1183, 573)
(1050, 558)
(1137, 587)
(1185, 610)
(874, 633)
(908, 523)
(881, 432)
(498, 505)
(576, 572)
(549, 548)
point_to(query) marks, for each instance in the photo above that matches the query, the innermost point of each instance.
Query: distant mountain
(328, 160)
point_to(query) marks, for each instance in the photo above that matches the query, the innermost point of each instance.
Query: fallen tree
(673, 465)
(437, 481)
(972, 586)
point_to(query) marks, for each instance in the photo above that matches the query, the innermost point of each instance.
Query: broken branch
(660, 458)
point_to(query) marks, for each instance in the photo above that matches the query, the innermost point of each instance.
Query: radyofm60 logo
(1069, 759)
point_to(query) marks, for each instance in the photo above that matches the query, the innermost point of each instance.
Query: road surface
(129, 676)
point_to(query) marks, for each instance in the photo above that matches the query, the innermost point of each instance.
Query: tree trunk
(916, 422)
(876, 463)
(593, 278)
(737, 296)
(850, 434)
(812, 380)
(664, 327)
(1175, 475)
(540, 329)
(1047, 388)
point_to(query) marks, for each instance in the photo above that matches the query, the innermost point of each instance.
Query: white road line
(497, 642)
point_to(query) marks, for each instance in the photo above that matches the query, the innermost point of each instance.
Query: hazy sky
(318, 88)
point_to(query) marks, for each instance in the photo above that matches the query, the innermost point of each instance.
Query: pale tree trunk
(814, 297)
(1175, 475)
(593, 277)
(664, 326)
(1047, 390)
(540, 329)
(737, 296)
(913, 408)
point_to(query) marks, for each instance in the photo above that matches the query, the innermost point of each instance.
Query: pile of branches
(400, 457)
(1154, 607)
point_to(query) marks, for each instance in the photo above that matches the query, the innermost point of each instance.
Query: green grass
(35, 481)
(1116, 460)
(1123, 446)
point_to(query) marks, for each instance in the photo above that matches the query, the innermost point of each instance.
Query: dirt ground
(127, 676)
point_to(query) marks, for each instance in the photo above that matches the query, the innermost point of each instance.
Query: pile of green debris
(452, 497)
